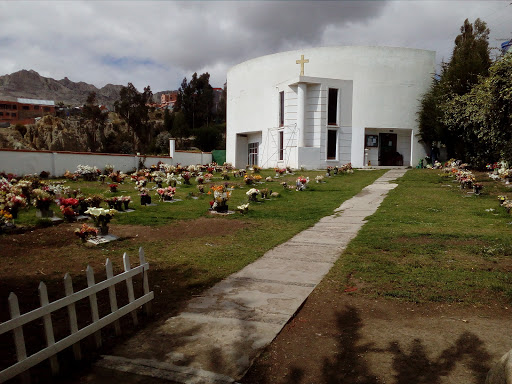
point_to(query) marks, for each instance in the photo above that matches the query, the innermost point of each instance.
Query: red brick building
(25, 110)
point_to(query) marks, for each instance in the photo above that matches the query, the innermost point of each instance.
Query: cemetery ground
(421, 295)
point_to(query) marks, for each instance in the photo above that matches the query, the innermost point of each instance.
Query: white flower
(252, 191)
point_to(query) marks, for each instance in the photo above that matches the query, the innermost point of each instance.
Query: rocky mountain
(31, 85)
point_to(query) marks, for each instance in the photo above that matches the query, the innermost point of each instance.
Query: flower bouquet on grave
(257, 178)
(256, 169)
(113, 187)
(208, 176)
(301, 183)
(200, 188)
(101, 218)
(126, 200)
(279, 171)
(243, 209)
(269, 179)
(15, 202)
(225, 175)
(94, 200)
(145, 199)
(220, 198)
(252, 194)
(158, 180)
(166, 194)
(42, 199)
(68, 212)
(264, 193)
(249, 179)
(319, 179)
(85, 232)
(5, 217)
(111, 201)
(502, 199)
(477, 188)
(346, 168)
(200, 179)
(26, 188)
(186, 177)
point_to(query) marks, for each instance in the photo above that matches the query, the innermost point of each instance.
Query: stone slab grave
(127, 211)
(171, 201)
(219, 334)
(102, 239)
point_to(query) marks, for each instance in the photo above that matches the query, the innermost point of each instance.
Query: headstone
(102, 239)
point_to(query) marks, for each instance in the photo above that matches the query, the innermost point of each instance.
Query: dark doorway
(387, 150)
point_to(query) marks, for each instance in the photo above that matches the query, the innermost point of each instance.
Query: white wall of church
(387, 84)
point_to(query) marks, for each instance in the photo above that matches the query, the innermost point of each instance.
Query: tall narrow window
(332, 143)
(281, 145)
(253, 154)
(332, 109)
(281, 108)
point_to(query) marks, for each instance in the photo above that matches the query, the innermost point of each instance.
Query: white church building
(327, 106)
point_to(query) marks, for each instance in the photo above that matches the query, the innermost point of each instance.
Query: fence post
(145, 281)
(129, 287)
(19, 340)
(94, 304)
(48, 326)
(112, 295)
(73, 324)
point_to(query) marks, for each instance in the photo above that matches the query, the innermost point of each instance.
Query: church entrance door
(387, 149)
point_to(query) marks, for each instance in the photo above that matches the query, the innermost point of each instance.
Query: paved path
(221, 332)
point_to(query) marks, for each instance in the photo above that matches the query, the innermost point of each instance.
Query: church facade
(327, 106)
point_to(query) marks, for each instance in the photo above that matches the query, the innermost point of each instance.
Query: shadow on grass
(349, 363)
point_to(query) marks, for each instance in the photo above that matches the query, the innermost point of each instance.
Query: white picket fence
(44, 311)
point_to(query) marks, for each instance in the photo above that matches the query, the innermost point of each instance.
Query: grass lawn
(432, 242)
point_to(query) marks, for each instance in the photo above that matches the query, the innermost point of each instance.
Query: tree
(469, 62)
(195, 100)
(97, 120)
(132, 107)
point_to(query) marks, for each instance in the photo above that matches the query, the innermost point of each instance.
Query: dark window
(13, 114)
(7, 113)
(332, 136)
(1, 113)
(36, 107)
(25, 107)
(46, 109)
(281, 145)
(332, 109)
(14, 106)
(281, 108)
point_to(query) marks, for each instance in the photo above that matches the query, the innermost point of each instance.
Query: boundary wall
(22, 162)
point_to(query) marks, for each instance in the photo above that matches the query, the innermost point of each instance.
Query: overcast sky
(157, 43)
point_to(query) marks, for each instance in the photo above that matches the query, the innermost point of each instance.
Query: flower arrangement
(256, 169)
(85, 232)
(269, 179)
(186, 177)
(5, 217)
(172, 180)
(346, 168)
(301, 183)
(113, 187)
(145, 199)
(200, 188)
(69, 202)
(166, 194)
(87, 172)
(279, 171)
(42, 199)
(319, 179)
(225, 175)
(477, 188)
(101, 218)
(502, 199)
(243, 209)
(125, 200)
(252, 194)
(68, 212)
(109, 168)
(249, 179)
(94, 200)
(71, 176)
(200, 179)
(264, 193)
(220, 198)
(208, 176)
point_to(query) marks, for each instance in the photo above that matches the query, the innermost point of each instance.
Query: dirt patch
(347, 338)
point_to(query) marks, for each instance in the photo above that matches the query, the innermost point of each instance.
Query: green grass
(430, 241)
(198, 262)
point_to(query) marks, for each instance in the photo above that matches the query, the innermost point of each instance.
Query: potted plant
(101, 218)
(220, 198)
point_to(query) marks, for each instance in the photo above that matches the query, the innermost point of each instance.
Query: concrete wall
(387, 86)
(25, 162)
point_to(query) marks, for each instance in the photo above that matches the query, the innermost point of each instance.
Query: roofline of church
(354, 47)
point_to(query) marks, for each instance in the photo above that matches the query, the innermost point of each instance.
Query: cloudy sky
(160, 42)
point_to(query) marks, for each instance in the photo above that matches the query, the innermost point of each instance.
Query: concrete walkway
(224, 330)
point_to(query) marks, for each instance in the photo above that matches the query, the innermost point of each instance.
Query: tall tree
(195, 100)
(132, 107)
(469, 62)
(96, 125)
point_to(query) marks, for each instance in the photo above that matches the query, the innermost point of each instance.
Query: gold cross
(302, 62)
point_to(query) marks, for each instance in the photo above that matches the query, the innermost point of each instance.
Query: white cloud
(160, 42)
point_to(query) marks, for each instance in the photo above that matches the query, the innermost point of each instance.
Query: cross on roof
(302, 62)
